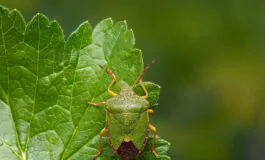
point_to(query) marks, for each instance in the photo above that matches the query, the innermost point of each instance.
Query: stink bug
(127, 120)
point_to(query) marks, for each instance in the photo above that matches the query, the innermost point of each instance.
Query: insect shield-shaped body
(127, 121)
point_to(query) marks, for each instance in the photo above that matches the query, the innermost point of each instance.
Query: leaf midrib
(7, 94)
(21, 151)
(36, 86)
(76, 127)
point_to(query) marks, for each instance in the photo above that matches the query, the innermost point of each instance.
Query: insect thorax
(127, 101)
(127, 104)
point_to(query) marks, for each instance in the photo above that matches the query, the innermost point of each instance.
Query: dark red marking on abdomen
(127, 151)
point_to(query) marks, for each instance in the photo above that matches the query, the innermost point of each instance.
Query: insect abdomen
(127, 127)
(127, 151)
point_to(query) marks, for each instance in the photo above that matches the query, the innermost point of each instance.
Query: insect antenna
(142, 74)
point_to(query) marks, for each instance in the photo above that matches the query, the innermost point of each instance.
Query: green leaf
(153, 92)
(46, 82)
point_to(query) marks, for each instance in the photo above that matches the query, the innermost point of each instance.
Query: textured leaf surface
(46, 82)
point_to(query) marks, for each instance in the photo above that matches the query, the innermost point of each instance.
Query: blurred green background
(209, 61)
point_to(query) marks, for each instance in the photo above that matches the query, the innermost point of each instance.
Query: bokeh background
(209, 61)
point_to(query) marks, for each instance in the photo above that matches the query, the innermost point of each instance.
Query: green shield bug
(127, 120)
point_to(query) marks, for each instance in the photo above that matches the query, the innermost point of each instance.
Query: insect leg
(150, 111)
(100, 143)
(143, 87)
(97, 104)
(112, 75)
(153, 129)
